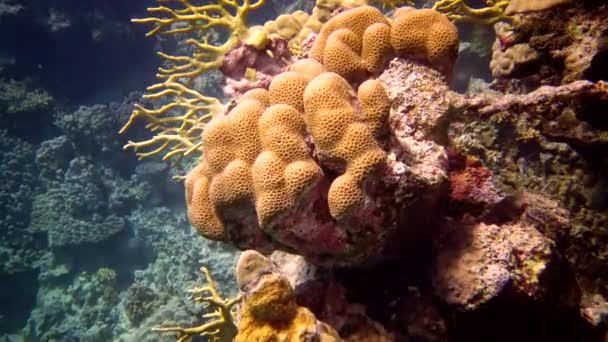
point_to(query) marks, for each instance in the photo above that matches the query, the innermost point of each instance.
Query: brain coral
(284, 169)
(427, 35)
(341, 138)
(311, 165)
(258, 162)
(353, 42)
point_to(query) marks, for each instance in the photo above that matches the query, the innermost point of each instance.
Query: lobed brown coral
(425, 34)
(341, 139)
(257, 156)
(353, 42)
(360, 41)
(305, 165)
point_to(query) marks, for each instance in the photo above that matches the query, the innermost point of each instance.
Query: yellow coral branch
(392, 4)
(457, 10)
(179, 123)
(222, 328)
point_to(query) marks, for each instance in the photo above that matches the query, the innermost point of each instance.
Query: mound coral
(258, 157)
(306, 165)
(360, 41)
(425, 34)
(353, 41)
(341, 139)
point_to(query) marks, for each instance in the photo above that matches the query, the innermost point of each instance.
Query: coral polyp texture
(258, 177)
(360, 41)
(353, 42)
(309, 164)
(425, 34)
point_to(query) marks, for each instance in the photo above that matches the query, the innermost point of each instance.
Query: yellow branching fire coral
(179, 123)
(184, 111)
(222, 327)
(458, 10)
(521, 6)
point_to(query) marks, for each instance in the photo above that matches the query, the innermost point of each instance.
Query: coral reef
(17, 98)
(20, 247)
(140, 303)
(72, 213)
(479, 260)
(568, 42)
(415, 213)
(88, 129)
(87, 303)
(554, 131)
(76, 204)
(181, 121)
(231, 195)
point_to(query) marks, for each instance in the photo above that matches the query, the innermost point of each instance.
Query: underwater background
(487, 218)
